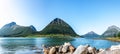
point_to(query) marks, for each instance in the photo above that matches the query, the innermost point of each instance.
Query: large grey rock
(115, 49)
(52, 50)
(65, 47)
(82, 49)
(92, 50)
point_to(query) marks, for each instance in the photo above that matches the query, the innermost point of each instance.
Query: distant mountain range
(12, 29)
(112, 31)
(57, 26)
(91, 34)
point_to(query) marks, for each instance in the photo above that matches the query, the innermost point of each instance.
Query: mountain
(12, 29)
(33, 28)
(58, 26)
(111, 31)
(91, 35)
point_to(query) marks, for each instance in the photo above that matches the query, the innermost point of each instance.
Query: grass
(50, 36)
(41, 36)
(117, 39)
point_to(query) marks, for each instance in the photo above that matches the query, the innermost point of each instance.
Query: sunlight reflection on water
(33, 45)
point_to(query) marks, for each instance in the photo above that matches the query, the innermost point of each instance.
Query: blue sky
(82, 15)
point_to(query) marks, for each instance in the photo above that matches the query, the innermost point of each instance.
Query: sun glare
(5, 12)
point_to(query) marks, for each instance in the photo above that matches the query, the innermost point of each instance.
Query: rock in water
(58, 26)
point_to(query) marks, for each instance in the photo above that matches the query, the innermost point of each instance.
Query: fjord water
(32, 45)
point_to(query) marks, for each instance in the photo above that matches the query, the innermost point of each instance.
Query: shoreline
(41, 36)
(115, 39)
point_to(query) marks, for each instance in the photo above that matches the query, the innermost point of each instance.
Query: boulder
(114, 47)
(92, 50)
(67, 44)
(52, 50)
(60, 49)
(65, 47)
(81, 49)
(71, 49)
(116, 51)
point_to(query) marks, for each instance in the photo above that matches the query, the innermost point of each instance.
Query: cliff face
(111, 31)
(12, 29)
(58, 26)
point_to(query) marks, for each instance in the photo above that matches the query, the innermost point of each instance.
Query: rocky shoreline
(68, 48)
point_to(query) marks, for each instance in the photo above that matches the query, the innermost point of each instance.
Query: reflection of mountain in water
(53, 41)
(13, 44)
(25, 44)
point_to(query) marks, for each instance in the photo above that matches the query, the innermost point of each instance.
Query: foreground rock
(67, 48)
(81, 49)
(115, 49)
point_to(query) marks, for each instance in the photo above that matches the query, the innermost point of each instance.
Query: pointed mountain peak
(32, 27)
(91, 32)
(58, 26)
(57, 21)
(9, 25)
(12, 23)
(114, 27)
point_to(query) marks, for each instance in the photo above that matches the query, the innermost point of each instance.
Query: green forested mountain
(58, 26)
(12, 29)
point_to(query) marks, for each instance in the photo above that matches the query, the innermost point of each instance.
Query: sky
(82, 15)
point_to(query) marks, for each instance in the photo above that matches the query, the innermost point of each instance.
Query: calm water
(27, 45)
